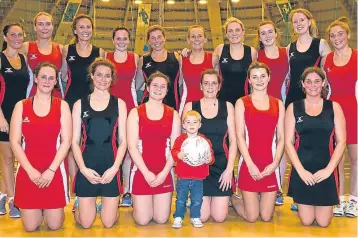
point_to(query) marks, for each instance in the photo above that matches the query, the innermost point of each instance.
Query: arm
(280, 142)
(216, 57)
(226, 176)
(24, 50)
(16, 145)
(290, 123)
(340, 133)
(241, 142)
(253, 54)
(324, 49)
(64, 73)
(133, 84)
(66, 138)
(101, 53)
(133, 139)
(108, 175)
(177, 149)
(176, 129)
(4, 124)
(139, 78)
(91, 175)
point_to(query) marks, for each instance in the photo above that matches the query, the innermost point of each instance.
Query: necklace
(210, 105)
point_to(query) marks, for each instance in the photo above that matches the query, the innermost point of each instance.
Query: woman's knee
(54, 225)
(161, 219)
(31, 226)
(252, 217)
(219, 218)
(266, 217)
(86, 223)
(307, 221)
(8, 160)
(323, 222)
(108, 223)
(142, 220)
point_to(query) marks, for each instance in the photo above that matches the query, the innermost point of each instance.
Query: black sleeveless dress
(216, 131)
(99, 133)
(13, 86)
(299, 61)
(315, 146)
(169, 67)
(234, 73)
(78, 80)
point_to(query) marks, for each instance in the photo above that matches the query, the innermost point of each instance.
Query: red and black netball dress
(169, 67)
(315, 146)
(279, 69)
(234, 74)
(41, 139)
(125, 84)
(34, 57)
(191, 78)
(13, 85)
(154, 145)
(342, 80)
(261, 143)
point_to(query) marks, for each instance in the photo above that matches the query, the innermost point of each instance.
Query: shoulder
(219, 49)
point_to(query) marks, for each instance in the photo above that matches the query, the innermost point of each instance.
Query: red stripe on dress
(226, 149)
(332, 139)
(69, 80)
(2, 89)
(145, 92)
(115, 150)
(177, 102)
(297, 144)
(246, 87)
(74, 182)
(84, 137)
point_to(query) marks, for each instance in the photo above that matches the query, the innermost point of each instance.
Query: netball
(196, 151)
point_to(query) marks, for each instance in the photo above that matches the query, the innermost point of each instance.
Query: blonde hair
(196, 26)
(42, 14)
(231, 20)
(192, 113)
(155, 28)
(258, 43)
(313, 30)
(342, 22)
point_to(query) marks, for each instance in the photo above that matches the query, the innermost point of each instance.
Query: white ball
(196, 151)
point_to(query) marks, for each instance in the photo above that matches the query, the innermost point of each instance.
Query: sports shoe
(177, 222)
(340, 209)
(99, 207)
(2, 206)
(230, 203)
(14, 211)
(279, 199)
(352, 209)
(75, 204)
(294, 207)
(126, 200)
(196, 222)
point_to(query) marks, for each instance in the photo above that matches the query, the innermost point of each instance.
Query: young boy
(193, 153)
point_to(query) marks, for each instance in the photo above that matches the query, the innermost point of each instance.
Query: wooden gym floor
(285, 223)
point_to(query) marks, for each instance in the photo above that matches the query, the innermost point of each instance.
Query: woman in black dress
(316, 128)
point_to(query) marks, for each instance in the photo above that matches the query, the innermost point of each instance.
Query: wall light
(170, 2)
(138, 2)
(202, 2)
(235, 1)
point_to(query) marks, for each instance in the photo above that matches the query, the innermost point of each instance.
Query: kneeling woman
(261, 145)
(96, 120)
(318, 128)
(152, 129)
(40, 137)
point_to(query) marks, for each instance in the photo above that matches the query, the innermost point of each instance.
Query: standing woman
(152, 129)
(234, 59)
(41, 133)
(14, 79)
(218, 126)
(76, 58)
(125, 63)
(316, 128)
(262, 149)
(159, 59)
(96, 119)
(43, 49)
(341, 70)
(275, 57)
(305, 52)
(193, 65)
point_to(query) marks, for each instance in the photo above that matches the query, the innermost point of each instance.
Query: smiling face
(235, 32)
(121, 40)
(46, 79)
(210, 86)
(158, 88)
(43, 27)
(259, 79)
(14, 37)
(157, 40)
(196, 38)
(83, 29)
(102, 78)
(301, 23)
(338, 37)
(313, 84)
(267, 35)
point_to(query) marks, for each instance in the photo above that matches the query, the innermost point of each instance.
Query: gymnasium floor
(285, 223)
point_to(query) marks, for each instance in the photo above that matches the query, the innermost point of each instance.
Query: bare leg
(7, 168)
(31, 219)
(109, 212)
(352, 155)
(142, 209)
(54, 218)
(86, 212)
(323, 215)
(248, 207)
(306, 214)
(161, 207)
(267, 205)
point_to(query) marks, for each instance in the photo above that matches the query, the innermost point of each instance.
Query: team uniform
(78, 79)
(261, 143)
(216, 130)
(41, 139)
(13, 85)
(34, 57)
(124, 87)
(278, 72)
(315, 146)
(234, 74)
(99, 149)
(298, 62)
(191, 78)
(342, 80)
(154, 145)
(169, 67)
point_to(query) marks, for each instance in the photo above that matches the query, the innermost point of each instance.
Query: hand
(181, 155)
(149, 177)
(185, 52)
(269, 169)
(34, 175)
(108, 176)
(307, 177)
(210, 158)
(159, 180)
(321, 175)
(254, 172)
(225, 180)
(46, 178)
(92, 176)
(4, 125)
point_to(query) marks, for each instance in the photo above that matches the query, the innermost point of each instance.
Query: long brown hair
(258, 43)
(74, 23)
